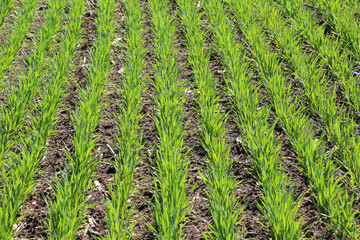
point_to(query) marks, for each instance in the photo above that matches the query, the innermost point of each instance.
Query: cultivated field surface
(179, 119)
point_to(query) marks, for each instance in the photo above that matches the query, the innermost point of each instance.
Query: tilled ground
(248, 190)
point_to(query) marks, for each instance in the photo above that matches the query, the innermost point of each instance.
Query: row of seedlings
(338, 128)
(331, 197)
(22, 93)
(343, 20)
(18, 182)
(342, 68)
(329, 50)
(221, 186)
(67, 211)
(171, 177)
(354, 4)
(6, 7)
(18, 172)
(120, 208)
(278, 205)
(16, 37)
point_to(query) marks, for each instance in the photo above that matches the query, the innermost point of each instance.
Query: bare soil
(248, 190)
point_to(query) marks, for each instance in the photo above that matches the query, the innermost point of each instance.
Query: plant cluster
(6, 7)
(18, 169)
(282, 43)
(15, 38)
(221, 185)
(343, 20)
(120, 208)
(338, 127)
(67, 211)
(171, 176)
(34, 142)
(22, 93)
(331, 196)
(328, 49)
(278, 205)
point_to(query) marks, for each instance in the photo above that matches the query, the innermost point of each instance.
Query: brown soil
(199, 215)
(308, 210)
(35, 209)
(249, 190)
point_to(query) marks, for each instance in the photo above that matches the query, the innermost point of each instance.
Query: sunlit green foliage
(6, 7)
(67, 211)
(330, 194)
(171, 176)
(264, 48)
(21, 94)
(18, 182)
(343, 20)
(120, 209)
(339, 126)
(278, 205)
(8, 51)
(329, 50)
(224, 206)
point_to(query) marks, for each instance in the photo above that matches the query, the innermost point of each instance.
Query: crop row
(18, 182)
(120, 208)
(338, 127)
(331, 197)
(278, 205)
(329, 50)
(221, 185)
(54, 88)
(171, 177)
(6, 7)
(20, 168)
(21, 93)
(67, 211)
(32, 102)
(343, 20)
(15, 38)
